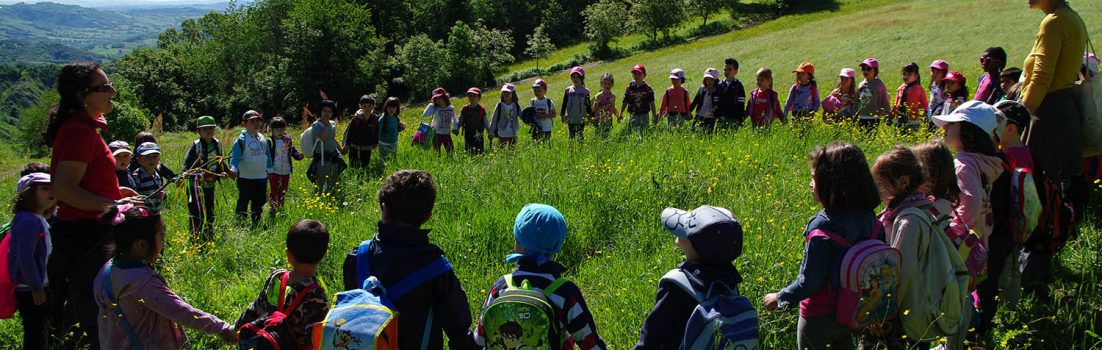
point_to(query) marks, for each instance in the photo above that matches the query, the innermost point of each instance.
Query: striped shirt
(570, 307)
(147, 184)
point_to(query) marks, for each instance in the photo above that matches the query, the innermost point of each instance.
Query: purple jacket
(30, 246)
(976, 173)
(152, 309)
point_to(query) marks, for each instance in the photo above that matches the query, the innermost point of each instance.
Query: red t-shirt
(1019, 157)
(79, 141)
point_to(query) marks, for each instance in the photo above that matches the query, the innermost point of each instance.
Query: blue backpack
(721, 320)
(366, 318)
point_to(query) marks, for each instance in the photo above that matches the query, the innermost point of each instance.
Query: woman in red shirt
(84, 185)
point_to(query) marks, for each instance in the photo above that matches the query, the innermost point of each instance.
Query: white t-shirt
(544, 106)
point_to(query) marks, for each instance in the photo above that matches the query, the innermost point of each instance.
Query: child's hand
(770, 301)
(229, 336)
(39, 297)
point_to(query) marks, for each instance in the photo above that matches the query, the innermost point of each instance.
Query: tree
(539, 45)
(658, 16)
(420, 61)
(604, 21)
(704, 8)
(475, 53)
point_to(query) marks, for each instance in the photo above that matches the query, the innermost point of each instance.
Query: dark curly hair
(409, 195)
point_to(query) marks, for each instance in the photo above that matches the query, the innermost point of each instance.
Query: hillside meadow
(611, 190)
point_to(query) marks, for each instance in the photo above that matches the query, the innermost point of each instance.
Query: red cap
(474, 91)
(640, 68)
(539, 83)
(438, 92)
(805, 67)
(957, 77)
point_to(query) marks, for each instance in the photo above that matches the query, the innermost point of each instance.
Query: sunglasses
(102, 88)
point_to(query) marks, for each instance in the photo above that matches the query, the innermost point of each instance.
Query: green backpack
(523, 318)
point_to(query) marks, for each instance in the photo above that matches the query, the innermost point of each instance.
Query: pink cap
(871, 62)
(677, 73)
(438, 93)
(539, 83)
(848, 72)
(474, 91)
(940, 64)
(639, 68)
(578, 70)
(509, 87)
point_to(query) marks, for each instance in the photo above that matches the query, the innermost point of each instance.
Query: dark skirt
(1054, 137)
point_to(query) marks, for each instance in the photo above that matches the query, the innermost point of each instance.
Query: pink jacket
(151, 308)
(975, 175)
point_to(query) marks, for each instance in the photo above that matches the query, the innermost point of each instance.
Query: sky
(122, 3)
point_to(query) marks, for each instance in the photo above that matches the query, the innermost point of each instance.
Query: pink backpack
(870, 279)
(7, 288)
(968, 243)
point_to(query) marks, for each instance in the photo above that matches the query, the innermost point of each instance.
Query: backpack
(1025, 203)
(869, 279)
(1058, 220)
(272, 332)
(528, 116)
(424, 133)
(307, 141)
(366, 318)
(969, 245)
(946, 302)
(722, 320)
(7, 287)
(523, 317)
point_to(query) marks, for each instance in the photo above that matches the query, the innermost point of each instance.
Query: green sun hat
(205, 121)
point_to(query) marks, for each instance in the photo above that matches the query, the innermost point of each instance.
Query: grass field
(612, 190)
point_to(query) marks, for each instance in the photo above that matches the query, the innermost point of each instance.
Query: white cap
(976, 112)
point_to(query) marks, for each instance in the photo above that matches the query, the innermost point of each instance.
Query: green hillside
(612, 190)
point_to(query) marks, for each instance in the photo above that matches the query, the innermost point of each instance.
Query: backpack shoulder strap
(833, 237)
(554, 286)
(419, 277)
(363, 264)
(680, 279)
(134, 342)
(299, 296)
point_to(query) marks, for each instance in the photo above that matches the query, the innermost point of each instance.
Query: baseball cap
(805, 67)
(509, 87)
(976, 112)
(713, 231)
(871, 62)
(578, 70)
(539, 83)
(640, 68)
(940, 64)
(711, 73)
(439, 92)
(247, 116)
(957, 77)
(119, 147)
(474, 91)
(149, 148)
(1015, 112)
(848, 72)
(31, 179)
(677, 73)
(205, 121)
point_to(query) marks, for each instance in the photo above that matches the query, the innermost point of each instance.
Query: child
(40, 167)
(910, 100)
(872, 96)
(839, 105)
(803, 97)
(1010, 135)
(307, 241)
(147, 181)
(706, 101)
(639, 100)
(143, 137)
(30, 247)
(956, 92)
(326, 165)
(362, 134)
(939, 172)
(842, 185)
(538, 234)
(136, 307)
(938, 70)
(577, 107)
(400, 248)
(764, 106)
(389, 126)
(545, 111)
(472, 120)
(988, 86)
(732, 99)
(283, 152)
(970, 131)
(1007, 79)
(123, 156)
(675, 102)
(443, 118)
(605, 106)
(506, 119)
(711, 240)
(250, 159)
(205, 153)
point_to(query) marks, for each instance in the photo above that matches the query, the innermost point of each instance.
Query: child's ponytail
(131, 223)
